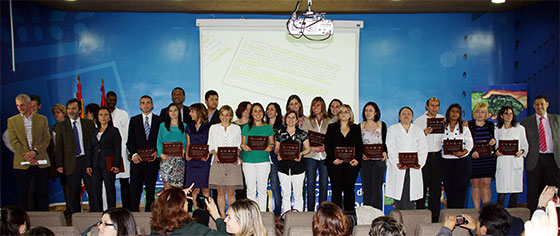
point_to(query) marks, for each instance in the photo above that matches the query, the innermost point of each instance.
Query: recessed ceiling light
(498, 1)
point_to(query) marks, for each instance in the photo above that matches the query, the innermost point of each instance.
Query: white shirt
(218, 136)
(149, 117)
(28, 124)
(547, 133)
(6, 139)
(80, 134)
(434, 140)
(120, 121)
(455, 134)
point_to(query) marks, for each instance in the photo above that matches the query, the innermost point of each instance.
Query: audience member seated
(386, 226)
(244, 219)
(15, 221)
(39, 231)
(330, 220)
(117, 221)
(492, 220)
(169, 215)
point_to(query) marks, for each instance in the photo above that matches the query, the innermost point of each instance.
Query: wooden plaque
(110, 160)
(373, 151)
(408, 159)
(437, 124)
(227, 154)
(173, 149)
(316, 139)
(146, 153)
(509, 147)
(483, 148)
(257, 142)
(345, 154)
(452, 145)
(289, 151)
(198, 151)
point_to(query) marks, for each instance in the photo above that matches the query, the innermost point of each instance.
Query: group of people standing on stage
(99, 151)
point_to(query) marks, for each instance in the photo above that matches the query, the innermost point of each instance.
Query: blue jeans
(311, 167)
(275, 187)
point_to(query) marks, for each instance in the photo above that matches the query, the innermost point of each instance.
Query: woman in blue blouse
(172, 130)
(198, 171)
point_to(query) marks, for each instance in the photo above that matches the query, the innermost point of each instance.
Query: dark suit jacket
(334, 138)
(186, 117)
(215, 119)
(65, 151)
(108, 145)
(136, 135)
(18, 139)
(532, 131)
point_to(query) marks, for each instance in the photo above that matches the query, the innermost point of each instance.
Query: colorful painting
(497, 96)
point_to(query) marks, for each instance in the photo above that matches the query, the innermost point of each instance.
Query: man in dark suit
(211, 100)
(29, 136)
(543, 160)
(142, 133)
(178, 97)
(72, 136)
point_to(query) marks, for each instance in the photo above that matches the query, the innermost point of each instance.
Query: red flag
(103, 103)
(79, 96)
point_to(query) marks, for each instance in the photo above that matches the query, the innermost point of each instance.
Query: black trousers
(545, 173)
(431, 174)
(102, 176)
(40, 178)
(373, 173)
(143, 173)
(456, 176)
(343, 179)
(512, 199)
(125, 192)
(405, 203)
(74, 182)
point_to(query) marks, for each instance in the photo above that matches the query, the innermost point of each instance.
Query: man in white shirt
(543, 160)
(431, 172)
(120, 121)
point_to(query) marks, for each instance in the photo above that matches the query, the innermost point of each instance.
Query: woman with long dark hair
(172, 130)
(509, 170)
(117, 221)
(318, 121)
(274, 118)
(294, 104)
(331, 220)
(256, 163)
(457, 165)
(15, 221)
(332, 111)
(103, 145)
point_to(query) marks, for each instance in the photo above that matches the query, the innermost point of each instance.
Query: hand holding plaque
(146, 154)
(316, 139)
(483, 148)
(198, 151)
(227, 154)
(173, 149)
(110, 160)
(408, 159)
(450, 146)
(289, 151)
(437, 125)
(345, 154)
(509, 147)
(259, 143)
(373, 151)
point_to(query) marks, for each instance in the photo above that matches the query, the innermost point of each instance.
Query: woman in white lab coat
(509, 168)
(405, 185)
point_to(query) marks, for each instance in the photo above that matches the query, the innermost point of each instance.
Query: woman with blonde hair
(244, 219)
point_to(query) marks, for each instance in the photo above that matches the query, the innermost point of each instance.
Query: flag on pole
(79, 96)
(103, 103)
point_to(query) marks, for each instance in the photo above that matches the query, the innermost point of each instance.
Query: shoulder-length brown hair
(323, 107)
(201, 111)
(330, 220)
(168, 213)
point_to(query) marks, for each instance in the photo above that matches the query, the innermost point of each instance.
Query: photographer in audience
(492, 220)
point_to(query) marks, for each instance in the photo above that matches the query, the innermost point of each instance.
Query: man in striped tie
(543, 160)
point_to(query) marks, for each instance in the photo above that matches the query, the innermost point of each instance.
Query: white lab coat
(509, 169)
(398, 140)
(120, 121)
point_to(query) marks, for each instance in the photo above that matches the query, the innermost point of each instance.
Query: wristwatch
(36, 151)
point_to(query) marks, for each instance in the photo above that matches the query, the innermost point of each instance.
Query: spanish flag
(79, 96)
(103, 103)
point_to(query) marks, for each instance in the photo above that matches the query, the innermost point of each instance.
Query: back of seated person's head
(248, 217)
(123, 221)
(169, 211)
(330, 220)
(386, 226)
(15, 221)
(39, 231)
(494, 220)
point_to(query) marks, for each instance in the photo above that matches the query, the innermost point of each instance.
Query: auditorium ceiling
(287, 6)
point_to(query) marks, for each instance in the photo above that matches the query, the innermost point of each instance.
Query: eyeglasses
(104, 224)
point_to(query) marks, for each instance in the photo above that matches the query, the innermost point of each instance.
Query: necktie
(147, 128)
(542, 137)
(77, 137)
